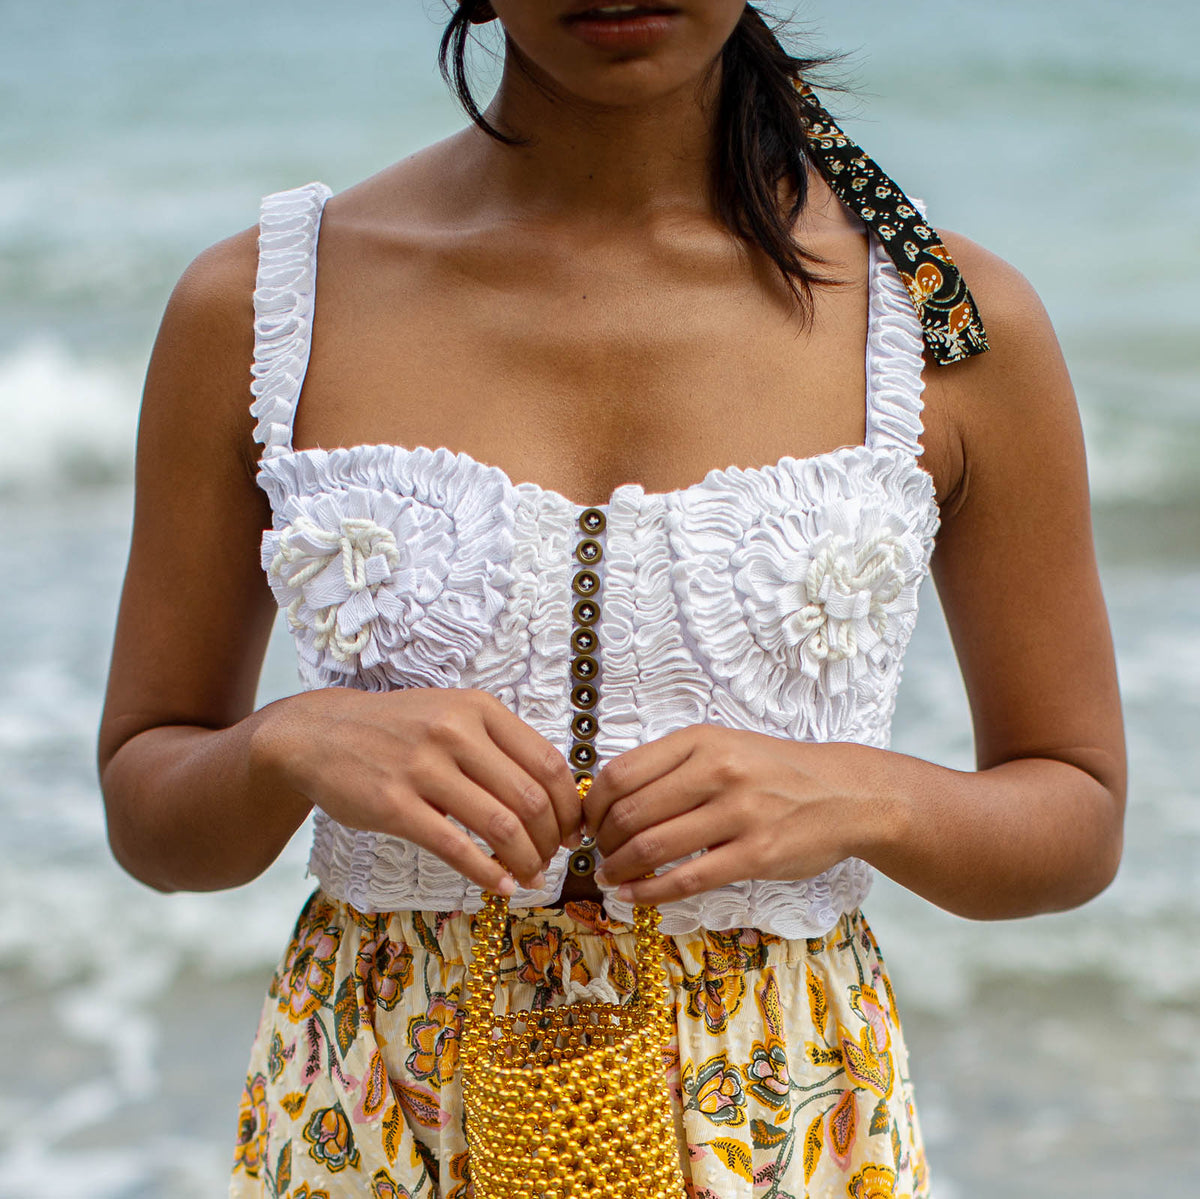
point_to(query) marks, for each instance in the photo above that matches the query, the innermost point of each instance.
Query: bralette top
(778, 599)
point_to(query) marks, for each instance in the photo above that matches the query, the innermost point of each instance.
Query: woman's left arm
(1038, 826)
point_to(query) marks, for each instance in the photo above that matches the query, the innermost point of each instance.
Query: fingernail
(537, 882)
(574, 841)
(506, 886)
(625, 893)
(601, 878)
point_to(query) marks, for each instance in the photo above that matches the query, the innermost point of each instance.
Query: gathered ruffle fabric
(777, 599)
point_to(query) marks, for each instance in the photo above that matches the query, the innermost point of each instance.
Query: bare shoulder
(216, 292)
(197, 384)
(426, 189)
(1001, 402)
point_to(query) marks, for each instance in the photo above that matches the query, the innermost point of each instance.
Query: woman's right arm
(201, 791)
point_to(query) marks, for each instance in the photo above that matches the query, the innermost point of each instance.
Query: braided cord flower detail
(845, 585)
(828, 605)
(368, 555)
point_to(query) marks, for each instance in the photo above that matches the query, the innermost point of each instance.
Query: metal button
(584, 668)
(583, 754)
(587, 612)
(584, 696)
(589, 552)
(583, 862)
(580, 775)
(591, 520)
(584, 641)
(584, 726)
(585, 582)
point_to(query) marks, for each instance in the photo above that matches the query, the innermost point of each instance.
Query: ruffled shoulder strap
(895, 382)
(283, 309)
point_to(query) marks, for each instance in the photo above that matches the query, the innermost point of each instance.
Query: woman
(649, 268)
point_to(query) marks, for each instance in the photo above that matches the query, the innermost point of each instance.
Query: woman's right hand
(401, 762)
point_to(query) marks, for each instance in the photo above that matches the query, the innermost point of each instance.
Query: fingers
(498, 775)
(667, 842)
(633, 770)
(629, 817)
(480, 811)
(432, 831)
(542, 762)
(725, 864)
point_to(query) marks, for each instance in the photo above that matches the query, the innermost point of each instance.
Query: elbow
(1096, 858)
(1093, 836)
(1104, 861)
(125, 845)
(135, 864)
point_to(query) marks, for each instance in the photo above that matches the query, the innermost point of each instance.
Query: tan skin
(574, 313)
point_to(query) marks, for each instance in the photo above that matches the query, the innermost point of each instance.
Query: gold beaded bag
(569, 1102)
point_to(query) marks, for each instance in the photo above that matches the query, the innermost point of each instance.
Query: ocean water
(1054, 1056)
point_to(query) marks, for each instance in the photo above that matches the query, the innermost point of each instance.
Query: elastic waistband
(447, 935)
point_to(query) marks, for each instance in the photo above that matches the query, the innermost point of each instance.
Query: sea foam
(67, 422)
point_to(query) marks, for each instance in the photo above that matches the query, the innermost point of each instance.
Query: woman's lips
(610, 31)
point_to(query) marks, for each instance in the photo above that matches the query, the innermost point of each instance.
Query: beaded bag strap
(950, 322)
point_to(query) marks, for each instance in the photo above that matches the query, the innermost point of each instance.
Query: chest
(580, 369)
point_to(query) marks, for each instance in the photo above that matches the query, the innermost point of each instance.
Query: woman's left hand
(761, 806)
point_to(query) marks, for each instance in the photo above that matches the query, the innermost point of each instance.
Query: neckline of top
(440, 454)
(891, 418)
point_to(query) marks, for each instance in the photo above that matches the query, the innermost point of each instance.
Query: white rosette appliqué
(799, 587)
(827, 602)
(382, 590)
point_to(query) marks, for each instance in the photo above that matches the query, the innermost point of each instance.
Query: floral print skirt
(788, 1070)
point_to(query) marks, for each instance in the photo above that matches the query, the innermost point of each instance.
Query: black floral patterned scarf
(950, 320)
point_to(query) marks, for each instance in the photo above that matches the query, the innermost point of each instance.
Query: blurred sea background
(1058, 1056)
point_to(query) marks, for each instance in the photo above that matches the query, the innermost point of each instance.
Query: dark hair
(759, 142)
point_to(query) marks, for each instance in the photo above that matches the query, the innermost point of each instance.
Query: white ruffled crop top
(778, 599)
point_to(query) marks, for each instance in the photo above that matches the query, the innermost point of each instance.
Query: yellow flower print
(306, 980)
(841, 1125)
(434, 1037)
(374, 1088)
(384, 968)
(539, 958)
(384, 1186)
(251, 1145)
(867, 1065)
(278, 1056)
(716, 1091)
(865, 1001)
(873, 1182)
(330, 1139)
(715, 1000)
(458, 1174)
(767, 1076)
(740, 949)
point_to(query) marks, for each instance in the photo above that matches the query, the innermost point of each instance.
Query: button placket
(586, 585)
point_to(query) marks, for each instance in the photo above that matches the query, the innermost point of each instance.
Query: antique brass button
(584, 726)
(584, 696)
(584, 668)
(583, 776)
(587, 612)
(585, 582)
(588, 552)
(584, 641)
(591, 520)
(583, 754)
(583, 862)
